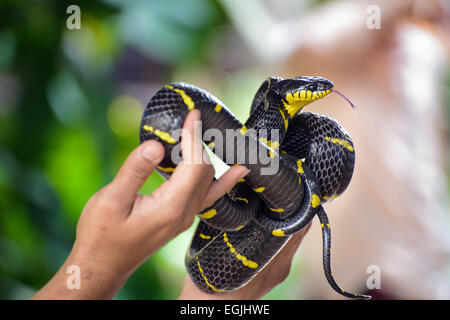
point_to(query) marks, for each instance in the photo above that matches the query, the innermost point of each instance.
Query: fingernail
(152, 154)
(246, 172)
(197, 113)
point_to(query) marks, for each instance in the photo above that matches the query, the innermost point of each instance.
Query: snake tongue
(342, 95)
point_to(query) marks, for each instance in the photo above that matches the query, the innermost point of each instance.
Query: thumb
(135, 171)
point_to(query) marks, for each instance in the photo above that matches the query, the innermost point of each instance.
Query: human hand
(272, 275)
(119, 229)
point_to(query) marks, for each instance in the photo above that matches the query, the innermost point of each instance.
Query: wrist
(99, 278)
(81, 277)
(191, 292)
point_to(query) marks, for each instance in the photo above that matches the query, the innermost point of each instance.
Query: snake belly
(242, 231)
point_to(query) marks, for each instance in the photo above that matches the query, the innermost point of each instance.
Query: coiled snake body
(312, 155)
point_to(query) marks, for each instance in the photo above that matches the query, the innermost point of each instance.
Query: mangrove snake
(242, 231)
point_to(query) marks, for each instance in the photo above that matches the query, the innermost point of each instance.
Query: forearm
(84, 281)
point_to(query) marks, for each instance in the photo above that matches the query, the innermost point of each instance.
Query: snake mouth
(294, 102)
(296, 93)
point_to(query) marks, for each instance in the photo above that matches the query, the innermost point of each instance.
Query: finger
(193, 171)
(135, 171)
(224, 184)
(191, 138)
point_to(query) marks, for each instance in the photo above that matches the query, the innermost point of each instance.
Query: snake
(297, 160)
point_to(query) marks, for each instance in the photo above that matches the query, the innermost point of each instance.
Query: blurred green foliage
(66, 124)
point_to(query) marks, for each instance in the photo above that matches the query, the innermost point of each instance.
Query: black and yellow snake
(242, 231)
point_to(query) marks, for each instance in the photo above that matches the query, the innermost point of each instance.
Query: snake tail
(326, 236)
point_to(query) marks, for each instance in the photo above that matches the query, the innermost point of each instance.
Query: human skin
(272, 275)
(119, 229)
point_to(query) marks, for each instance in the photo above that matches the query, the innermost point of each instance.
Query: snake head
(298, 92)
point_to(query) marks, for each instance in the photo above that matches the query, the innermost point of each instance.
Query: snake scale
(304, 160)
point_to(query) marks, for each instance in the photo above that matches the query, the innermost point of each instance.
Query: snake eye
(312, 87)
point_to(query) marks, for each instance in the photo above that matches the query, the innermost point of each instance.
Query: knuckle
(284, 273)
(105, 202)
(170, 214)
(170, 218)
(187, 222)
(179, 217)
(136, 172)
(209, 169)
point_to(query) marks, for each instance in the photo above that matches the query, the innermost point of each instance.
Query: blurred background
(71, 102)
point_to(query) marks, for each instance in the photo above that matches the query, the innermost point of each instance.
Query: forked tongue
(342, 95)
